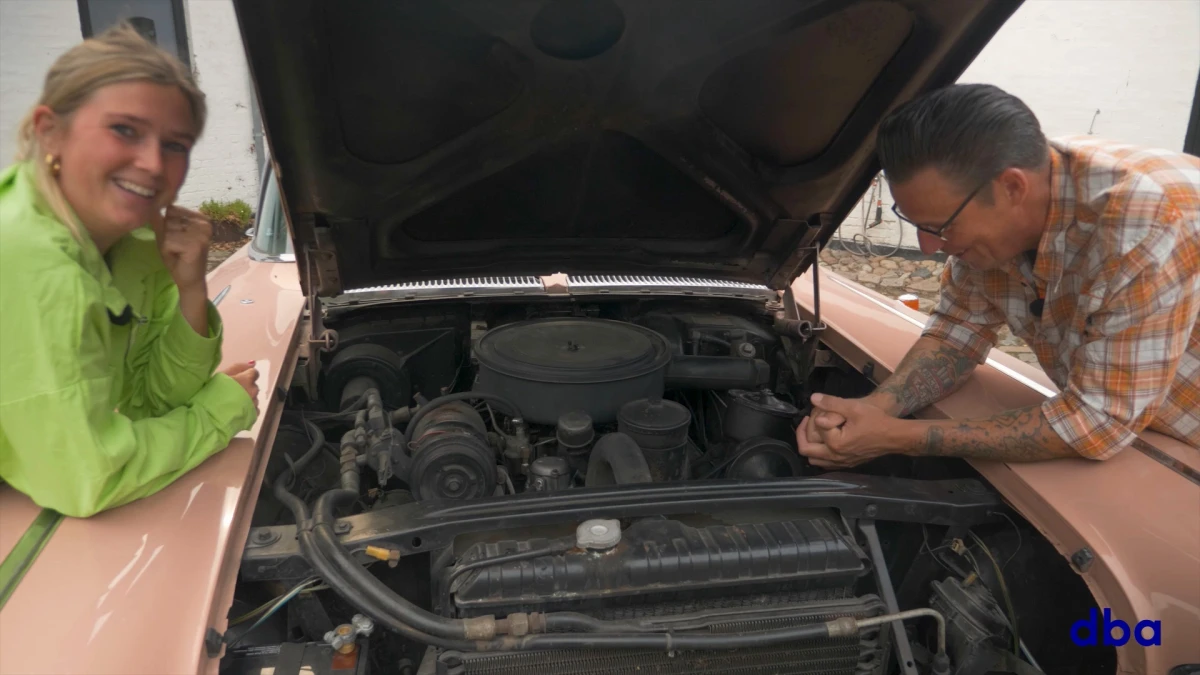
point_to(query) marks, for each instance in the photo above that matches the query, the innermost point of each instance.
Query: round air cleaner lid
(573, 350)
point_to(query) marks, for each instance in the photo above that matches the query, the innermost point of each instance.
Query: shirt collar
(1058, 217)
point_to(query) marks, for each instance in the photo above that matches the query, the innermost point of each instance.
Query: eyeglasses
(938, 231)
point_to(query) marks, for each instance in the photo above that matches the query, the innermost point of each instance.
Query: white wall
(32, 36)
(223, 162)
(33, 33)
(1135, 61)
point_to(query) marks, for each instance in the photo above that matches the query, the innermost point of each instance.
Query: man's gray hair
(968, 132)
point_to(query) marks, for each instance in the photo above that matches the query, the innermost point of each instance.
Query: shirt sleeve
(1127, 363)
(964, 317)
(63, 444)
(178, 362)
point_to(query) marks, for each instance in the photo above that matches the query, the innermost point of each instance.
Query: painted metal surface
(1139, 518)
(134, 589)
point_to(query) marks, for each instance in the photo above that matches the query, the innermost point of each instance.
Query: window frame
(180, 26)
(253, 251)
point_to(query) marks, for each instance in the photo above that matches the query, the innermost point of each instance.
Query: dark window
(271, 238)
(159, 21)
(1191, 142)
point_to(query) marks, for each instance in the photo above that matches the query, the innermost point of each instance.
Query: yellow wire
(264, 607)
(1012, 614)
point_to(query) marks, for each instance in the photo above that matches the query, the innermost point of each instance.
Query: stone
(908, 265)
(923, 286)
(889, 274)
(921, 273)
(868, 278)
(892, 283)
(889, 264)
(931, 264)
(866, 268)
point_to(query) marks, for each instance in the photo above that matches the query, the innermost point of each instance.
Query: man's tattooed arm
(1021, 435)
(931, 371)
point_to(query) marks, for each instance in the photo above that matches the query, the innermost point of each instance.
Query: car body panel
(134, 589)
(1138, 517)
(17, 513)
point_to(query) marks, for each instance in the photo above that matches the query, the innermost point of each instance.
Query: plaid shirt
(1118, 271)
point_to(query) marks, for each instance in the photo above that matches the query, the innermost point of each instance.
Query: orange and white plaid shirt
(1118, 271)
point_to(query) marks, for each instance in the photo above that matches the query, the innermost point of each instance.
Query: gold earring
(53, 163)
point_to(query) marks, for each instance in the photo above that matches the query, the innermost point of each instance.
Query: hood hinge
(320, 339)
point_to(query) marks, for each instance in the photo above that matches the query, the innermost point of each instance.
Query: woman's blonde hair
(120, 54)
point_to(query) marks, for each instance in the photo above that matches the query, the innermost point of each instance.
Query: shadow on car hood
(718, 139)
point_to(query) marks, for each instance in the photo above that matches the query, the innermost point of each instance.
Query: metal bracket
(817, 324)
(899, 637)
(320, 339)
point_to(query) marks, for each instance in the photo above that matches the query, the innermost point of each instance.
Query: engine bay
(611, 486)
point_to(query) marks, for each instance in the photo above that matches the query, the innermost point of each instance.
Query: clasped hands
(841, 433)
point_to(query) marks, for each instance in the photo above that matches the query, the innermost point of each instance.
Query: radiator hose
(617, 460)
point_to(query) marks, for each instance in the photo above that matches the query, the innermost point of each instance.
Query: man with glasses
(1089, 250)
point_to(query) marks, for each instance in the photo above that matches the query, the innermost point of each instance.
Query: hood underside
(723, 139)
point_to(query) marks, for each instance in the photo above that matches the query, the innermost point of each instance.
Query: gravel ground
(894, 276)
(217, 253)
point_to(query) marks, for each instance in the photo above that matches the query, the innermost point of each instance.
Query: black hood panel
(419, 139)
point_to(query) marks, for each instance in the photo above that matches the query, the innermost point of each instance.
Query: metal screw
(262, 536)
(1083, 559)
(362, 624)
(341, 527)
(872, 510)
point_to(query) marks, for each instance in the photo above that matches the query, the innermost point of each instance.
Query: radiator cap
(598, 534)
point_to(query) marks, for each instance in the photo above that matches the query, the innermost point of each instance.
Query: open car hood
(725, 139)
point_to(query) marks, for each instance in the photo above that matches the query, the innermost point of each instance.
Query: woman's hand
(183, 239)
(246, 375)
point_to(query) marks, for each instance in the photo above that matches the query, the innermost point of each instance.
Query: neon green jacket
(107, 394)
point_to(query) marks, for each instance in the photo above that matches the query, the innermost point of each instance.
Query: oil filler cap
(598, 534)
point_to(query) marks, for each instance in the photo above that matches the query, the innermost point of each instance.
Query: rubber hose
(461, 396)
(362, 600)
(288, 499)
(354, 573)
(617, 460)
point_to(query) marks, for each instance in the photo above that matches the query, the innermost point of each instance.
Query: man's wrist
(906, 436)
(884, 401)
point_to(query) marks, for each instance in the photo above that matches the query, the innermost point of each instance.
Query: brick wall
(33, 33)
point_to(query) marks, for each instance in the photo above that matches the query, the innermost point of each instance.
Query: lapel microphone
(1036, 306)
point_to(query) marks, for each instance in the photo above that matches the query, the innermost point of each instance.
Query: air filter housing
(549, 367)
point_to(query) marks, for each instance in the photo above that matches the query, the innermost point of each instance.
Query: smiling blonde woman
(108, 343)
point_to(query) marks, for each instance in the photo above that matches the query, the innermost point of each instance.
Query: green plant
(232, 212)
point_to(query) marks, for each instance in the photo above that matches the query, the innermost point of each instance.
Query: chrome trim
(1166, 460)
(616, 284)
(221, 296)
(258, 256)
(442, 288)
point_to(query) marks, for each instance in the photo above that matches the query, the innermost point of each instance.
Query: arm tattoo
(928, 374)
(1021, 435)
